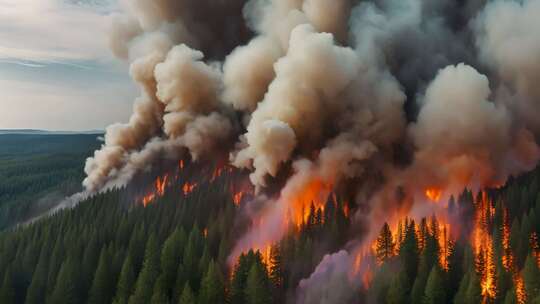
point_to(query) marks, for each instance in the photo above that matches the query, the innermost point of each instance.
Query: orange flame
(147, 199)
(483, 248)
(217, 173)
(237, 198)
(267, 257)
(187, 188)
(433, 194)
(160, 184)
(315, 192)
(159, 190)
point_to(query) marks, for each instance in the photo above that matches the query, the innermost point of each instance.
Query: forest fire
(266, 253)
(508, 260)
(483, 247)
(313, 194)
(433, 194)
(389, 241)
(159, 190)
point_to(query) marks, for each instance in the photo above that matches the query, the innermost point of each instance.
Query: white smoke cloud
(509, 44)
(301, 97)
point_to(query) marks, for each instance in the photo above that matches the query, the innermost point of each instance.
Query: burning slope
(186, 183)
(314, 99)
(482, 244)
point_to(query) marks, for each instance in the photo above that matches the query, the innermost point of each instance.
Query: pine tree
(435, 290)
(510, 297)
(531, 277)
(419, 286)
(65, 291)
(397, 293)
(257, 291)
(149, 273)
(408, 252)
(171, 255)
(187, 296)
(473, 294)
(101, 291)
(385, 244)
(7, 291)
(36, 291)
(277, 275)
(239, 280)
(125, 282)
(158, 295)
(212, 290)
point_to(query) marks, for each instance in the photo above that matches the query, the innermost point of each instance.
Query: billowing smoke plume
(386, 97)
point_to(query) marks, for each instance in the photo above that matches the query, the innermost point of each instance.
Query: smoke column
(378, 95)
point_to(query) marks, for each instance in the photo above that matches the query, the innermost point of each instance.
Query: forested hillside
(37, 170)
(124, 247)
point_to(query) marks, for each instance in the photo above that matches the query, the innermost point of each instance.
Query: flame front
(483, 248)
(314, 193)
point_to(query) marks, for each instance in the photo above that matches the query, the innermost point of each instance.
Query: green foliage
(187, 296)
(435, 287)
(7, 291)
(125, 283)
(531, 277)
(102, 286)
(257, 285)
(212, 288)
(148, 275)
(39, 170)
(109, 248)
(399, 289)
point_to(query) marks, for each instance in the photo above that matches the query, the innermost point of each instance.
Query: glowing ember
(147, 199)
(521, 295)
(237, 198)
(187, 188)
(535, 247)
(181, 164)
(433, 194)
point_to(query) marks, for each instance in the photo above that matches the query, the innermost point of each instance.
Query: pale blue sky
(56, 71)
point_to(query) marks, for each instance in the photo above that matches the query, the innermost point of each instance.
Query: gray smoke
(330, 282)
(391, 95)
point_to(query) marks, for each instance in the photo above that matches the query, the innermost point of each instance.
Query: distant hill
(46, 132)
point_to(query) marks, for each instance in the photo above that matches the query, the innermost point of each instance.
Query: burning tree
(385, 245)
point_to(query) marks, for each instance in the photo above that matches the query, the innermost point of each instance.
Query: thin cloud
(51, 30)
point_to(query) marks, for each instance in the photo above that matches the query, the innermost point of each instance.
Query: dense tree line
(409, 266)
(39, 170)
(175, 250)
(112, 249)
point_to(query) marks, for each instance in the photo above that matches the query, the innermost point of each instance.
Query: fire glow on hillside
(313, 99)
